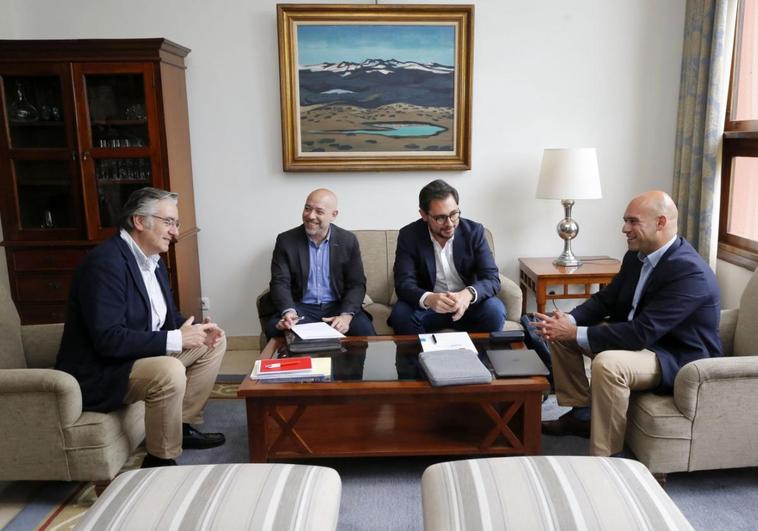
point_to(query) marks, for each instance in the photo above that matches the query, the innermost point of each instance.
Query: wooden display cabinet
(84, 124)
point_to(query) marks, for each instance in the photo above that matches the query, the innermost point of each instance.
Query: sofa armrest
(511, 296)
(724, 372)
(46, 395)
(41, 343)
(727, 327)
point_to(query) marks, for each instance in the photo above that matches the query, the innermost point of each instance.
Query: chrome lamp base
(567, 229)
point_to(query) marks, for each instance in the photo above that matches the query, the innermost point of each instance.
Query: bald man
(317, 273)
(659, 313)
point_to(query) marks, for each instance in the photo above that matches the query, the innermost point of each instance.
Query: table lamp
(568, 174)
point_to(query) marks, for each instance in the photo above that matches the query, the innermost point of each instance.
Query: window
(738, 225)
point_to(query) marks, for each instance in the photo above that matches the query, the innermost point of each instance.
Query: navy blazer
(290, 265)
(109, 324)
(677, 316)
(416, 271)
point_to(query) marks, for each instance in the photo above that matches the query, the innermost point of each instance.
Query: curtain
(704, 85)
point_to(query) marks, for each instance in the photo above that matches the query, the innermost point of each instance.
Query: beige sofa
(378, 252)
(710, 421)
(45, 433)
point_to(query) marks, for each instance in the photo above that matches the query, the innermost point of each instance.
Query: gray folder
(454, 367)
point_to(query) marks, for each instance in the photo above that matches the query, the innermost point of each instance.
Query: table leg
(256, 430)
(533, 423)
(541, 295)
(523, 297)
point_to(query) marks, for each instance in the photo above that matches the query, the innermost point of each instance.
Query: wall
(547, 74)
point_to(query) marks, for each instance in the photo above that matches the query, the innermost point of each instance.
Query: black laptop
(516, 362)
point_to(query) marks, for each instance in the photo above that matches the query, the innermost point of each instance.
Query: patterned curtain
(704, 85)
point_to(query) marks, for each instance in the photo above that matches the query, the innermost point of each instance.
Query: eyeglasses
(454, 216)
(169, 222)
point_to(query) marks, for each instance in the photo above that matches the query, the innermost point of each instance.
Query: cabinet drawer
(41, 259)
(48, 287)
(41, 313)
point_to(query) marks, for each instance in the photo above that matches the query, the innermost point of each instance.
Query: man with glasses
(125, 341)
(445, 274)
(317, 273)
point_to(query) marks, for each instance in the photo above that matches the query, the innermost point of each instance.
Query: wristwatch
(473, 293)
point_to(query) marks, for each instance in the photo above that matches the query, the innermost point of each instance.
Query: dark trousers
(313, 313)
(485, 316)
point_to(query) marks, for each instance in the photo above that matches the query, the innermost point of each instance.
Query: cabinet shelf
(35, 123)
(114, 182)
(119, 122)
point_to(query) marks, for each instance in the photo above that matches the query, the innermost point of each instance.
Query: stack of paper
(446, 341)
(293, 369)
(316, 331)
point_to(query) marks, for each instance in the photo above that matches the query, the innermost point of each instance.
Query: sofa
(45, 433)
(710, 420)
(378, 253)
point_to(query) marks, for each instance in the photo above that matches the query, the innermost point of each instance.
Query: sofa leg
(661, 479)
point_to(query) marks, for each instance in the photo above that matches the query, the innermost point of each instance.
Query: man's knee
(402, 319)
(271, 330)
(168, 378)
(361, 325)
(490, 315)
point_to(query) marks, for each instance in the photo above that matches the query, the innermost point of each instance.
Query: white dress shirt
(447, 275)
(147, 266)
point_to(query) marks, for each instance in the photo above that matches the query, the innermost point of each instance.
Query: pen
(434, 339)
(283, 364)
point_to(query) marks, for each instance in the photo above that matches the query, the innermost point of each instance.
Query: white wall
(546, 74)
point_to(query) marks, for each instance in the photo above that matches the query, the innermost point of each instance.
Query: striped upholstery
(546, 492)
(234, 496)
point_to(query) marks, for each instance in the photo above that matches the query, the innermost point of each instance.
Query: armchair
(45, 433)
(709, 422)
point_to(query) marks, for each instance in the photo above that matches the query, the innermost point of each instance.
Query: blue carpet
(385, 493)
(52, 494)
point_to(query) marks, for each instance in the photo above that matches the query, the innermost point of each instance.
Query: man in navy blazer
(659, 313)
(125, 341)
(317, 273)
(445, 274)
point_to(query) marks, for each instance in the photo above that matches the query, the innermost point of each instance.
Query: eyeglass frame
(168, 222)
(440, 219)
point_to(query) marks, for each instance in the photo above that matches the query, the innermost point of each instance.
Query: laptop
(517, 362)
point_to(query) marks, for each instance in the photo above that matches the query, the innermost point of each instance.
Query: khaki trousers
(615, 373)
(175, 389)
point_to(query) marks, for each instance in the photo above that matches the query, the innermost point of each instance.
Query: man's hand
(215, 334)
(557, 327)
(195, 335)
(441, 302)
(287, 321)
(341, 323)
(463, 299)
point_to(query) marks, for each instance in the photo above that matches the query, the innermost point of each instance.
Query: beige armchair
(45, 433)
(378, 254)
(710, 421)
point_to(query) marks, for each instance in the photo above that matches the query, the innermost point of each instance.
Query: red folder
(285, 365)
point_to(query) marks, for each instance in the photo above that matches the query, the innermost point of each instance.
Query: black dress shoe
(567, 424)
(195, 440)
(152, 461)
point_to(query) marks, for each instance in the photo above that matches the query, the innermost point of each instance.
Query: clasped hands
(450, 302)
(341, 323)
(555, 327)
(206, 333)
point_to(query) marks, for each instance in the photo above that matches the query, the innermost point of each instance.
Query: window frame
(740, 140)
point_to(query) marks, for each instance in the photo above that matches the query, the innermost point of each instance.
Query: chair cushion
(546, 492)
(230, 496)
(97, 430)
(11, 347)
(747, 320)
(658, 416)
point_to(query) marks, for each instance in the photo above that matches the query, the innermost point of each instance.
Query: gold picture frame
(375, 87)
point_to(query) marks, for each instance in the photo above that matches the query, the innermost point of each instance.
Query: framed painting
(375, 87)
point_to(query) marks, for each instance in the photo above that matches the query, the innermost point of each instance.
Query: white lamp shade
(569, 173)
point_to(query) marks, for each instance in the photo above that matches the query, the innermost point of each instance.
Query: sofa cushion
(658, 416)
(231, 496)
(546, 492)
(11, 348)
(98, 430)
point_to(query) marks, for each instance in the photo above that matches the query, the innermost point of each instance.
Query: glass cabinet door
(40, 176)
(120, 153)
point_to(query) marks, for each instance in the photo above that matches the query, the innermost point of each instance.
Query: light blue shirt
(319, 289)
(648, 264)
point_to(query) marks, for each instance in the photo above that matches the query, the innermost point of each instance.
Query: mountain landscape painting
(376, 88)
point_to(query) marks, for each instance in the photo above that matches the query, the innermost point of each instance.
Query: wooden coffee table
(353, 417)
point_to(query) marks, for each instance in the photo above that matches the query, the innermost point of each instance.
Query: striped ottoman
(224, 497)
(544, 492)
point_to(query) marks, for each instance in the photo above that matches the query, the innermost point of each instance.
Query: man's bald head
(650, 221)
(324, 196)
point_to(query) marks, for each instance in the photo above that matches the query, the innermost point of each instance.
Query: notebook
(516, 362)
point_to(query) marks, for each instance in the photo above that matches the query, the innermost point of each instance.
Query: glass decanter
(20, 110)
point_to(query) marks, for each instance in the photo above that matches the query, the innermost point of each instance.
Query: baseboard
(242, 342)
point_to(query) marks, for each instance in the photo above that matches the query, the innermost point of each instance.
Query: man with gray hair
(125, 341)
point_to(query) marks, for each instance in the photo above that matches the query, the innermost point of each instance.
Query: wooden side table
(539, 275)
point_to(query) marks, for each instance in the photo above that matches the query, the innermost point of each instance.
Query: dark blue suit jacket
(416, 271)
(108, 324)
(677, 316)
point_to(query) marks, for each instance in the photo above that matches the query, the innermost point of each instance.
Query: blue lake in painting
(396, 130)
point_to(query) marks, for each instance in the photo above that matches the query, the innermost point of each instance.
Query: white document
(446, 341)
(315, 331)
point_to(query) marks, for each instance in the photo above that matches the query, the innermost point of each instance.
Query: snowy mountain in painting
(376, 82)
